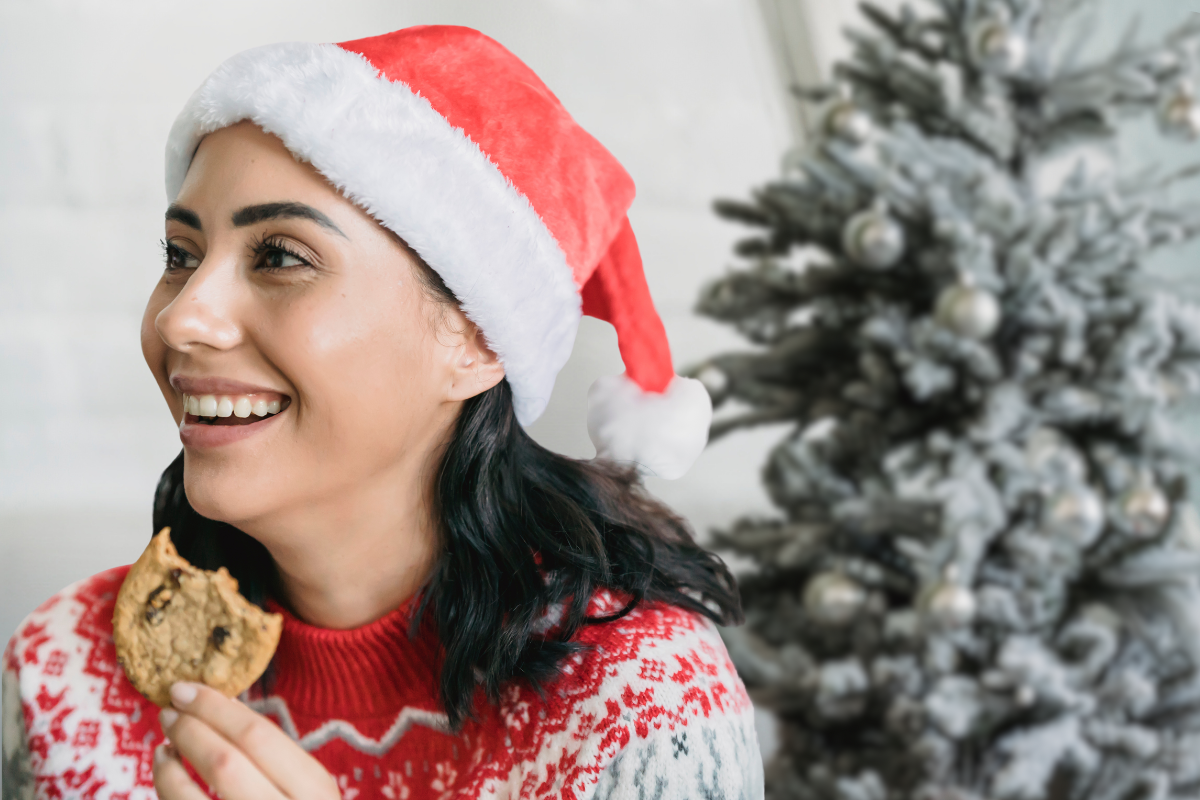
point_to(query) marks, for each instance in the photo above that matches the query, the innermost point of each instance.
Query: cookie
(175, 622)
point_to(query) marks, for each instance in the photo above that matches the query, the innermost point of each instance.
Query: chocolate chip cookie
(175, 622)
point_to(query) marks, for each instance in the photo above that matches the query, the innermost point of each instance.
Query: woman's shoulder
(64, 623)
(652, 700)
(72, 721)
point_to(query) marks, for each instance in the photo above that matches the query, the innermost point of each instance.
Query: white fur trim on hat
(662, 433)
(387, 150)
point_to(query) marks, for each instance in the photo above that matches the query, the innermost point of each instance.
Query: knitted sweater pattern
(652, 709)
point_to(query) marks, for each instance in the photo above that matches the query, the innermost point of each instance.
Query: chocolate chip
(175, 573)
(219, 635)
(159, 599)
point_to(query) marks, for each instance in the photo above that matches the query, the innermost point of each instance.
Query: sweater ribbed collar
(369, 671)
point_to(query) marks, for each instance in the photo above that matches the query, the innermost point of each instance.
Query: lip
(199, 435)
(185, 384)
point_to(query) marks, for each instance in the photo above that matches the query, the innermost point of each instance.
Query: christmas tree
(984, 580)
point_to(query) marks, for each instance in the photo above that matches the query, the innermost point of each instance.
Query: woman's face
(293, 340)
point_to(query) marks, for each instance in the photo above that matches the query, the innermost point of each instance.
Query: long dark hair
(522, 528)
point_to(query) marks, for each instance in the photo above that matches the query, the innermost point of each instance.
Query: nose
(202, 316)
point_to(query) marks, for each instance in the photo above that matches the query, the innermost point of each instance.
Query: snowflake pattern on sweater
(654, 709)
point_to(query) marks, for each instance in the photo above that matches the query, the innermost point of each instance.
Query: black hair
(521, 528)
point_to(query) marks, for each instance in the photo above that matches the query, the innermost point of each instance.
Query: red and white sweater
(654, 709)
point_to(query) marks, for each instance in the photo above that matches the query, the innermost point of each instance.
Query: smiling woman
(376, 255)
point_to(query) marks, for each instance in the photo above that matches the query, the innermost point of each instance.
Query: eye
(274, 255)
(176, 258)
(278, 258)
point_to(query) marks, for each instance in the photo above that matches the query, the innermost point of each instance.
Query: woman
(377, 254)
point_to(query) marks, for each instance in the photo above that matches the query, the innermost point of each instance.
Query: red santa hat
(453, 143)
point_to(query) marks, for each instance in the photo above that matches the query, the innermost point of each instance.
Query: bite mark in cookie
(175, 622)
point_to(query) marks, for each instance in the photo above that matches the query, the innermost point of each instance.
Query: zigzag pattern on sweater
(341, 729)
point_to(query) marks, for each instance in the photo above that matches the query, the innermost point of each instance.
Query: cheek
(362, 368)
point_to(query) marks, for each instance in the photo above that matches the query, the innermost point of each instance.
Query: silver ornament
(1048, 452)
(1179, 115)
(968, 311)
(949, 604)
(1145, 508)
(873, 239)
(848, 122)
(996, 48)
(1074, 513)
(833, 599)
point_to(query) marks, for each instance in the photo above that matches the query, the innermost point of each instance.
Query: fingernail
(167, 717)
(183, 693)
(160, 753)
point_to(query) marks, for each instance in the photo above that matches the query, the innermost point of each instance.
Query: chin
(224, 494)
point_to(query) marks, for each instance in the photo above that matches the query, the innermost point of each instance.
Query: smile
(238, 409)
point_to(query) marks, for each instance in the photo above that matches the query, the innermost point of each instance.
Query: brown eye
(275, 255)
(277, 258)
(177, 258)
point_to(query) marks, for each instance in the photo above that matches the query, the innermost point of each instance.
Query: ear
(475, 368)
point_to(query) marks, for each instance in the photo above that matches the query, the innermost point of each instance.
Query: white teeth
(242, 406)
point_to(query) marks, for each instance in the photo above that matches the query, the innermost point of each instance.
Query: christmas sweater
(652, 709)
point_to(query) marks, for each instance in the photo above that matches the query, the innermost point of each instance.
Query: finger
(171, 780)
(284, 762)
(220, 763)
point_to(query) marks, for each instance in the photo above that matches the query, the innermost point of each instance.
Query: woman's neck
(347, 560)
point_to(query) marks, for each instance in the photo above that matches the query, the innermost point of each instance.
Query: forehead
(243, 164)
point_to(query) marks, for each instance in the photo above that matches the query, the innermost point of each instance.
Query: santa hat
(453, 143)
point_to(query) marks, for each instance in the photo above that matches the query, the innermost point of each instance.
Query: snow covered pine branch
(983, 582)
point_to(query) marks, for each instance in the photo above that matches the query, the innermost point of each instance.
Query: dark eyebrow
(252, 214)
(184, 215)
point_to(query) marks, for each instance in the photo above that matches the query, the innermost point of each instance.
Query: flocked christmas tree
(984, 582)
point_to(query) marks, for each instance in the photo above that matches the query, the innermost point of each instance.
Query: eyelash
(269, 244)
(259, 247)
(169, 250)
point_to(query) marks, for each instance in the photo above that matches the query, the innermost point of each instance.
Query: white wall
(682, 91)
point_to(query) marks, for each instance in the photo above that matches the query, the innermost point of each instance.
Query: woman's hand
(240, 753)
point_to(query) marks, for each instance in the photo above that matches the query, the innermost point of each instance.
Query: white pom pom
(661, 433)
